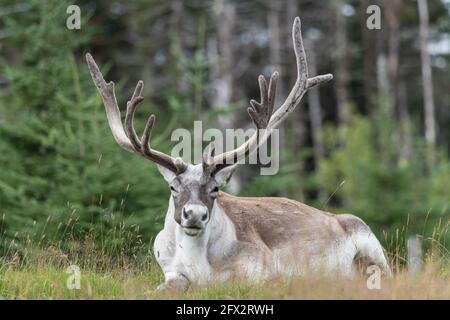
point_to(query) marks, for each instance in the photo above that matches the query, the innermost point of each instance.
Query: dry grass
(110, 270)
(433, 283)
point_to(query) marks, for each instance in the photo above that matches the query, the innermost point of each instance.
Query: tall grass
(118, 265)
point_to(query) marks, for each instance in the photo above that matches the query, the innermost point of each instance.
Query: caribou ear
(166, 173)
(224, 175)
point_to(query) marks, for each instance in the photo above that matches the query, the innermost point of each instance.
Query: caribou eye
(173, 189)
(213, 193)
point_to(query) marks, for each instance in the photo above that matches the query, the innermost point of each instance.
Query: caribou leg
(174, 283)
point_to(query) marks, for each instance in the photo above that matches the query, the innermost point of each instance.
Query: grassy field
(48, 283)
(45, 277)
(120, 266)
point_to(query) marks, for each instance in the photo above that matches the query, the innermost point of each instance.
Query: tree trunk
(315, 113)
(405, 124)
(383, 81)
(315, 108)
(427, 81)
(221, 54)
(176, 42)
(369, 58)
(220, 50)
(342, 65)
(393, 52)
(275, 56)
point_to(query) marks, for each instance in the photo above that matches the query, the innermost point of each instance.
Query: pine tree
(63, 166)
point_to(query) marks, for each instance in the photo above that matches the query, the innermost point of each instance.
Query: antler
(261, 112)
(128, 138)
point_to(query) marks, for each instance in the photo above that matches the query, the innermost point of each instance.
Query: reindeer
(210, 236)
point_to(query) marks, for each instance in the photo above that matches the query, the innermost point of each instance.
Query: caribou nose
(195, 212)
(186, 213)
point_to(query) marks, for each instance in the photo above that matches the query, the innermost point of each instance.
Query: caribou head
(193, 194)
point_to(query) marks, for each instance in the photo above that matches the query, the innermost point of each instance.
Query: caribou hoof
(173, 286)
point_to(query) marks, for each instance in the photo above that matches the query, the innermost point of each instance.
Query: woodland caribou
(210, 236)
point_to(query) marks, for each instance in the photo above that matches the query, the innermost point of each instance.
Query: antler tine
(300, 55)
(128, 138)
(176, 165)
(272, 91)
(109, 100)
(261, 112)
(129, 116)
(208, 157)
(318, 80)
(145, 140)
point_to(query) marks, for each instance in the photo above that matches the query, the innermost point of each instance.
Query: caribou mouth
(192, 231)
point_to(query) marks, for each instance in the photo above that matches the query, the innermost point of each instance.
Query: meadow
(49, 282)
(111, 272)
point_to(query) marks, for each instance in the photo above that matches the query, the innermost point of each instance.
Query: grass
(124, 268)
(48, 283)
(51, 284)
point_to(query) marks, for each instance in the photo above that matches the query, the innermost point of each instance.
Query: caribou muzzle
(194, 218)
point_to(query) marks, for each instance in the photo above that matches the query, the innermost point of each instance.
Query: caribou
(210, 236)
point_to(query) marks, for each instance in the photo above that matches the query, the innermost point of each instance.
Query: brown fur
(276, 221)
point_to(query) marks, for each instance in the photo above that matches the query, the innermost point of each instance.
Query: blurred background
(373, 142)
